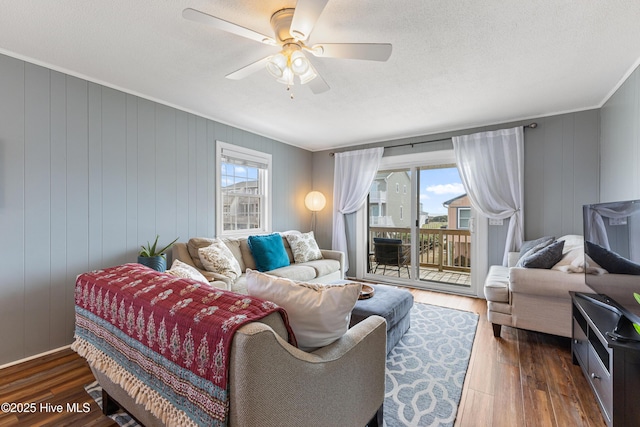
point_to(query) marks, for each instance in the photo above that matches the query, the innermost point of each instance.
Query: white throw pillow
(218, 258)
(181, 269)
(303, 246)
(318, 314)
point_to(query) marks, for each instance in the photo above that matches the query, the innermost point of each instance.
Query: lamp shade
(315, 201)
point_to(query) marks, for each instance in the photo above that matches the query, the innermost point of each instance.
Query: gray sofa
(274, 384)
(326, 270)
(531, 298)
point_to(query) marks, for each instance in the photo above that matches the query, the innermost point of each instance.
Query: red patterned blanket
(166, 340)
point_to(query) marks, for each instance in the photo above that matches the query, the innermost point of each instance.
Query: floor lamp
(314, 201)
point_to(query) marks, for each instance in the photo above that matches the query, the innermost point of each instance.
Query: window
(243, 196)
(464, 214)
(404, 189)
(397, 187)
(401, 212)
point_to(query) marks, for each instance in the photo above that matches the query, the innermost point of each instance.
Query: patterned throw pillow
(304, 247)
(218, 258)
(181, 269)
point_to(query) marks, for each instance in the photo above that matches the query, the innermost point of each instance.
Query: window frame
(458, 210)
(265, 184)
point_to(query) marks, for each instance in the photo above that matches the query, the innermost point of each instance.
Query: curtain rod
(530, 126)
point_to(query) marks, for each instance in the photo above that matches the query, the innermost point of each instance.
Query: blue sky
(438, 186)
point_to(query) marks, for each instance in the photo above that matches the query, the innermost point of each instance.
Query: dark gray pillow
(530, 244)
(546, 257)
(611, 261)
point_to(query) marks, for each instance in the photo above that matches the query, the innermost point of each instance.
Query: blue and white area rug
(425, 371)
(121, 417)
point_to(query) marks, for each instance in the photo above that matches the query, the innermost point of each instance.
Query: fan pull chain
(289, 90)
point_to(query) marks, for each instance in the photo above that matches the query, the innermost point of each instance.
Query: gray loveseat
(326, 270)
(535, 299)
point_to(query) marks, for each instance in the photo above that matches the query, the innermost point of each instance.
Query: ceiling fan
(292, 27)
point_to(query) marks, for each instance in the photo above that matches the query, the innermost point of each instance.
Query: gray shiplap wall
(87, 174)
(620, 143)
(561, 174)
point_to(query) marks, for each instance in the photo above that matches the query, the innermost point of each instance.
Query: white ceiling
(455, 64)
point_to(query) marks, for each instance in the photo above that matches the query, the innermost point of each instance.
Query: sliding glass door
(444, 243)
(390, 219)
(419, 226)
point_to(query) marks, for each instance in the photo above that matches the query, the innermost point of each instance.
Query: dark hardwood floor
(522, 379)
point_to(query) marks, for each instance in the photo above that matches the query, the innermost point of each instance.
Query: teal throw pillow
(268, 251)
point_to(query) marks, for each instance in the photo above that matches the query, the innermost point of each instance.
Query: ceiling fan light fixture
(309, 75)
(291, 28)
(299, 63)
(277, 65)
(287, 77)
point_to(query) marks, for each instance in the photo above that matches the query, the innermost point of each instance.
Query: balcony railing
(381, 220)
(377, 196)
(441, 249)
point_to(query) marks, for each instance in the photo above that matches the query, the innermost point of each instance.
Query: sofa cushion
(268, 251)
(295, 272)
(287, 246)
(496, 285)
(180, 269)
(193, 245)
(234, 246)
(323, 267)
(247, 257)
(218, 258)
(303, 246)
(318, 314)
(546, 257)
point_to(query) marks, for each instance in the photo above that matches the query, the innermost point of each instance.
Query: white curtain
(354, 172)
(595, 226)
(491, 166)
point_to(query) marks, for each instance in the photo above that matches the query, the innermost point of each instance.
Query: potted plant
(153, 257)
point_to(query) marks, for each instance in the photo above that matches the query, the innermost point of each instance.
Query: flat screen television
(612, 241)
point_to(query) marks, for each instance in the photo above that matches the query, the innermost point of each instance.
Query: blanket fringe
(138, 390)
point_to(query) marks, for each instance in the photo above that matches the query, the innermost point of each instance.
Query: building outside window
(243, 192)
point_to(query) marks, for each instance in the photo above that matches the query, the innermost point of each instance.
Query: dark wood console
(612, 366)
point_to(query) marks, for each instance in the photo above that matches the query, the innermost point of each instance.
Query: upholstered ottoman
(391, 303)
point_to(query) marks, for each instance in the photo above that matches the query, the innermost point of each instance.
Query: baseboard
(35, 356)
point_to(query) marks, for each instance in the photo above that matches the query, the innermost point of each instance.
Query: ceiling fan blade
(221, 24)
(366, 51)
(318, 85)
(305, 17)
(249, 69)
